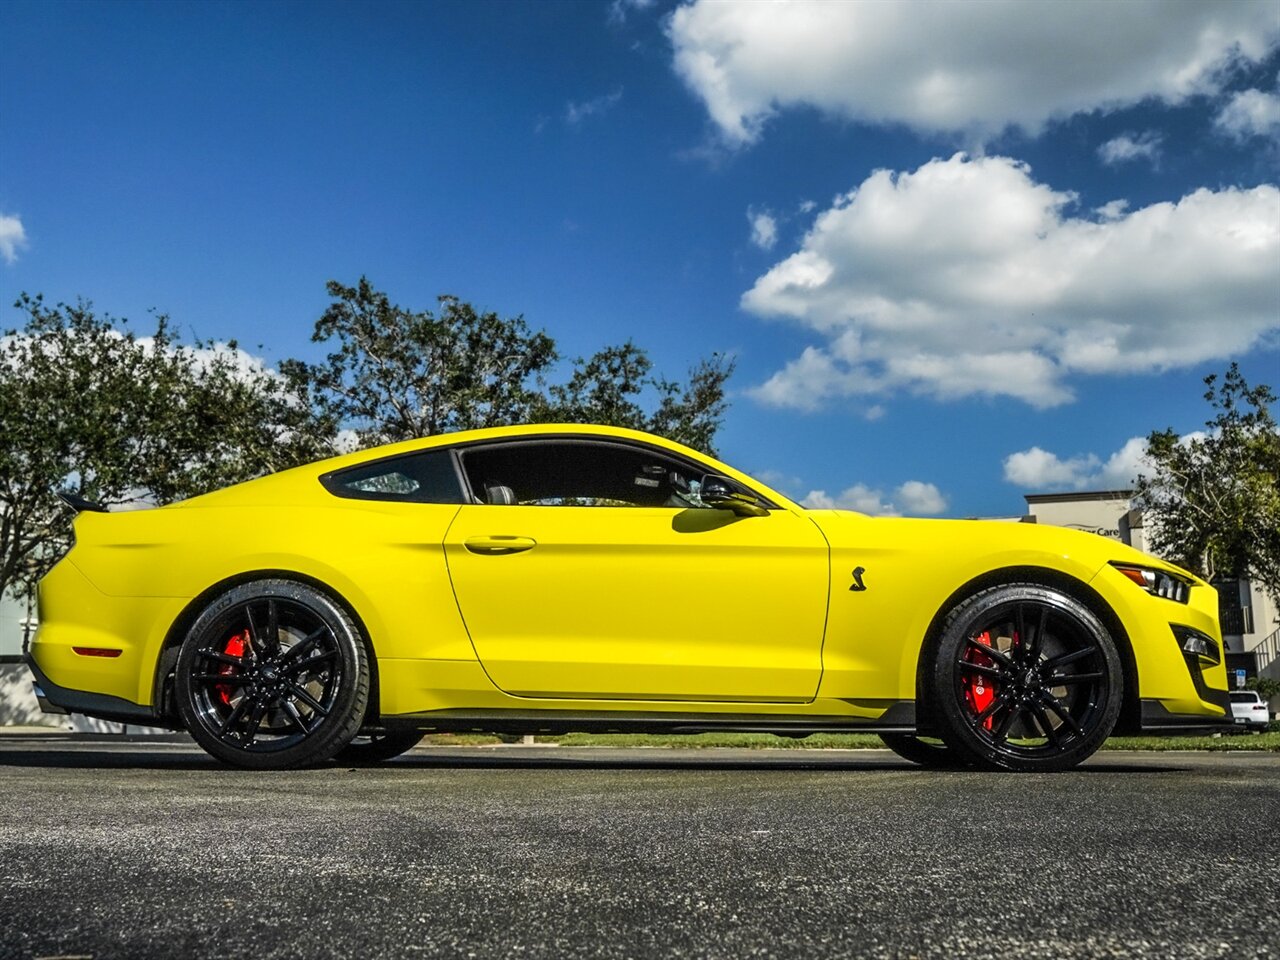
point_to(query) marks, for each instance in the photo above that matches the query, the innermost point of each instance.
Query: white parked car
(1249, 710)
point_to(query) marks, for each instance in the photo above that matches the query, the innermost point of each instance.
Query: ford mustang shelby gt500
(557, 578)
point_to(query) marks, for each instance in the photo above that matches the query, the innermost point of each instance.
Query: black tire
(927, 753)
(272, 675)
(377, 747)
(1025, 678)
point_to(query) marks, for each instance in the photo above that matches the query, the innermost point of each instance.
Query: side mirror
(718, 492)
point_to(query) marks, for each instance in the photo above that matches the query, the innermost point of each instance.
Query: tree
(1214, 498)
(398, 374)
(1267, 688)
(395, 374)
(89, 407)
(607, 388)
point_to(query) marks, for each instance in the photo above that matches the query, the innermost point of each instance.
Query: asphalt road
(147, 850)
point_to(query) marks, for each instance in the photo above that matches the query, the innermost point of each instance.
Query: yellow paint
(591, 608)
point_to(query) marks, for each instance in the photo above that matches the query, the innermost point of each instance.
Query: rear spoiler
(80, 504)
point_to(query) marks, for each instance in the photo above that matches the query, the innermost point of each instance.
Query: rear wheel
(376, 747)
(273, 674)
(1026, 678)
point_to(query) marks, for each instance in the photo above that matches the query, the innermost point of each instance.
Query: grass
(1269, 742)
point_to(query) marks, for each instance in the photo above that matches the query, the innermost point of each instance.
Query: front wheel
(273, 674)
(1026, 678)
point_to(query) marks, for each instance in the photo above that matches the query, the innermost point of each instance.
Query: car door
(586, 573)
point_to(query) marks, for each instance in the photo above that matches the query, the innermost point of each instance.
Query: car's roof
(303, 479)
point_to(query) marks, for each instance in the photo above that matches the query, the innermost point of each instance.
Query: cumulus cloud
(12, 237)
(913, 497)
(1251, 113)
(967, 278)
(575, 112)
(1128, 147)
(1039, 469)
(976, 66)
(764, 229)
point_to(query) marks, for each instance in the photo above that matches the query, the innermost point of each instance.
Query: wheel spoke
(1054, 704)
(303, 645)
(1063, 659)
(983, 669)
(255, 722)
(1001, 730)
(1065, 679)
(236, 713)
(229, 679)
(996, 655)
(1040, 631)
(997, 702)
(296, 717)
(308, 663)
(221, 657)
(308, 699)
(1021, 627)
(255, 639)
(1043, 719)
(273, 628)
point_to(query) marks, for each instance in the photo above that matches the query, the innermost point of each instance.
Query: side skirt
(899, 718)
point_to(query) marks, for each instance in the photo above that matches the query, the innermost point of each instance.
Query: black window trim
(458, 450)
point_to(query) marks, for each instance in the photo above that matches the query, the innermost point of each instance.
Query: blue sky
(959, 251)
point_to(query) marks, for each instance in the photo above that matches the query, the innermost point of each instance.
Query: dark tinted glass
(418, 478)
(581, 473)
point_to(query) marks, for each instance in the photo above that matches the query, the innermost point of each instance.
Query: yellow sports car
(544, 579)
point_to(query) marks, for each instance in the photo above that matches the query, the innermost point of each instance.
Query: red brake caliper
(979, 689)
(234, 648)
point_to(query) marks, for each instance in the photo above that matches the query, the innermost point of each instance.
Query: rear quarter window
(429, 477)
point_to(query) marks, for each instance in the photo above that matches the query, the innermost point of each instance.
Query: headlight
(1158, 583)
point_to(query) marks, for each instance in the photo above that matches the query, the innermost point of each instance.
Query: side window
(427, 477)
(580, 473)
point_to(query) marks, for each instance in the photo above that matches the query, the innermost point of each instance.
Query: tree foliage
(1214, 498)
(608, 388)
(395, 374)
(89, 407)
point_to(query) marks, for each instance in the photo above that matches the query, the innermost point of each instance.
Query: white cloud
(1112, 209)
(1038, 469)
(764, 229)
(1251, 113)
(1128, 147)
(913, 497)
(575, 113)
(938, 65)
(12, 237)
(920, 498)
(967, 278)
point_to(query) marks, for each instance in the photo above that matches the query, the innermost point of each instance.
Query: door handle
(499, 546)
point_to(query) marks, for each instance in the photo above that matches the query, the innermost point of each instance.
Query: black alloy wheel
(379, 746)
(926, 751)
(1026, 678)
(273, 674)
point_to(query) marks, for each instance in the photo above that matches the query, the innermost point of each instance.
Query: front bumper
(1157, 718)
